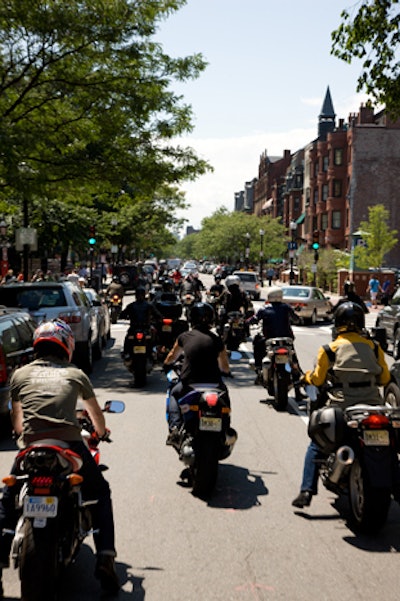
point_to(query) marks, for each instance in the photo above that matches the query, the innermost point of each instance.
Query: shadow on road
(237, 488)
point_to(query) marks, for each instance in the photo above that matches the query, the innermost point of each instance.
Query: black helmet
(115, 278)
(217, 277)
(201, 314)
(140, 292)
(349, 317)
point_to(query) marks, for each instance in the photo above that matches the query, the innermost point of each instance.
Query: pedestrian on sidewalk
(374, 288)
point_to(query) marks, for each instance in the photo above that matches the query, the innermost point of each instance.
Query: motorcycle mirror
(114, 407)
(235, 356)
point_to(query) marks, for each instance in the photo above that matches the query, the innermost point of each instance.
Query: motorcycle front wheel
(38, 566)
(369, 505)
(205, 469)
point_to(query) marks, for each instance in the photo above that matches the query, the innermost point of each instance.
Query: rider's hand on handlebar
(105, 437)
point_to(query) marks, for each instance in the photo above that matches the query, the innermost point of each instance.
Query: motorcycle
(276, 371)
(115, 305)
(138, 354)
(360, 458)
(234, 331)
(170, 307)
(205, 437)
(52, 517)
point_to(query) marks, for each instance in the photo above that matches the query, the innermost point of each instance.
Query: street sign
(25, 235)
(292, 245)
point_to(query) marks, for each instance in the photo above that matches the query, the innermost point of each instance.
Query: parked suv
(16, 336)
(63, 300)
(389, 319)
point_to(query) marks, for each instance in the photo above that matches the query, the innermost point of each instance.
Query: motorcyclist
(356, 366)
(44, 396)
(204, 360)
(277, 318)
(115, 287)
(217, 288)
(141, 314)
(234, 298)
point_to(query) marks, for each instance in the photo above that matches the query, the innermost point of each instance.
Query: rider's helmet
(140, 293)
(275, 295)
(232, 280)
(55, 332)
(115, 279)
(326, 428)
(217, 278)
(349, 317)
(201, 314)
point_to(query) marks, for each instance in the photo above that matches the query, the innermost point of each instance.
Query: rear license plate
(378, 438)
(236, 326)
(211, 424)
(281, 359)
(40, 507)
(139, 350)
(167, 328)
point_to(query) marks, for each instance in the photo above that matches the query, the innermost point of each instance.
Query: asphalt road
(247, 542)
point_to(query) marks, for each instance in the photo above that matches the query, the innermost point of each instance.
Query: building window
(338, 156)
(325, 163)
(336, 220)
(325, 192)
(315, 196)
(337, 188)
(296, 203)
(308, 194)
(324, 221)
(316, 169)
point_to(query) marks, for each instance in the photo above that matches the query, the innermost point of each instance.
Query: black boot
(105, 572)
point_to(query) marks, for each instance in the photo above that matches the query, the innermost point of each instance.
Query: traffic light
(92, 232)
(316, 255)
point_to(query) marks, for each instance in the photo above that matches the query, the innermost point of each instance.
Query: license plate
(236, 326)
(139, 350)
(378, 438)
(167, 328)
(211, 424)
(281, 359)
(40, 507)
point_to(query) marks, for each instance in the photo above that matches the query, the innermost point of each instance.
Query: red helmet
(56, 331)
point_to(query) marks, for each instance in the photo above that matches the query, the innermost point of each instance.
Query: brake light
(3, 367)
(281, 351)
(375, 421)
(167, 322)
(41, 484)
(71, 317)
(211, 398)
(139, 336)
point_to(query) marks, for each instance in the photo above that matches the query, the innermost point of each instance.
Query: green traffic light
(315, 246)
(92, 241)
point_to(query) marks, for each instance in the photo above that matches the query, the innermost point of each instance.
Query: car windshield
(296, 292)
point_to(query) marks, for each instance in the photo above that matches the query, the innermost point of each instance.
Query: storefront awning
(301, 219)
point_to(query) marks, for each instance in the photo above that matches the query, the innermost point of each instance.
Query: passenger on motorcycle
(44, 396)
(141, 313)
(115, 288)
(277, 318)
(204, 360)
(356, 366)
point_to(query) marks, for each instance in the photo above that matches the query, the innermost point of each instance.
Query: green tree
(377, 236)
(372, 34)
(86, 103)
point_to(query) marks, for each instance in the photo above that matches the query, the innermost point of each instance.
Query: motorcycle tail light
(375, 421)
(139, 336)
(41, 484)
(167, 322)
(211, 399)
(281, 351)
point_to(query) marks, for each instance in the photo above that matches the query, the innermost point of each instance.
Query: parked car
(389, 319)
(310, 302)
(102, 312)
(63, 300)
(392, 390)
(250, 283)
(16, 349)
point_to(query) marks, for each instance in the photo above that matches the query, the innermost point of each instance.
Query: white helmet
(232, 280)
(275, 294)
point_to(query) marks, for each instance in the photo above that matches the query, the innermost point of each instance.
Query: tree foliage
(377, 237)
(87, 109)
(372, 34)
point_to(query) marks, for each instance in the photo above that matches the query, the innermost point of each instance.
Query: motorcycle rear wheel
(369, 505)
(281, 390)
(205, 469)
(38, 567)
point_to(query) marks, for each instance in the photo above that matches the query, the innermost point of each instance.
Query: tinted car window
(25, 331)
(9, 336)
(34, 298)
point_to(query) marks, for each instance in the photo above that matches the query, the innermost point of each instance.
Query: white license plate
(378, 438)
(211, 424)
(167, 328)
(40, 507)
(139, 350)
(281, 359)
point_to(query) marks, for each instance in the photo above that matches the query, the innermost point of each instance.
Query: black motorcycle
(276, 372)
(171, 326)
(234, 330)
(138, 354)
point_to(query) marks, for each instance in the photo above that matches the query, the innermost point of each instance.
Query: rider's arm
(223, 362)
(384, 377)
(17, 417)
(318, 375)
(96, 415)
(173, 354)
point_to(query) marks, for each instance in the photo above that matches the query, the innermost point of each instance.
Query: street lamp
(262, 232)
(293, 228)
(4, 247)
(247, 249)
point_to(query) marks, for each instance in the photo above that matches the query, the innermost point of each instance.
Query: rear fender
(379, 464)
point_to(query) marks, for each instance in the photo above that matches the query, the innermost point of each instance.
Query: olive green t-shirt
(48, 390)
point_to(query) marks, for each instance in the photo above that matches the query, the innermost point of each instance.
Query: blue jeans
(311, 468)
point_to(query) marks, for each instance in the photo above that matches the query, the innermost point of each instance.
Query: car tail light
(71, 317)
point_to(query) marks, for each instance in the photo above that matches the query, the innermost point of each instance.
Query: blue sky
(269, 68)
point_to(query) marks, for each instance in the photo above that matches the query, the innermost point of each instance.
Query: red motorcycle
(53, 518)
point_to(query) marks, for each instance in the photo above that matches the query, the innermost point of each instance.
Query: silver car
(249, 283)
(62, 300)
(310, 302)
(101, 309)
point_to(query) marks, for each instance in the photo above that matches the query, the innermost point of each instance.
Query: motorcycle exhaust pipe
(344, 458)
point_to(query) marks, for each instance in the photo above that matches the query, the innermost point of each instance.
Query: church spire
(326, 120)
